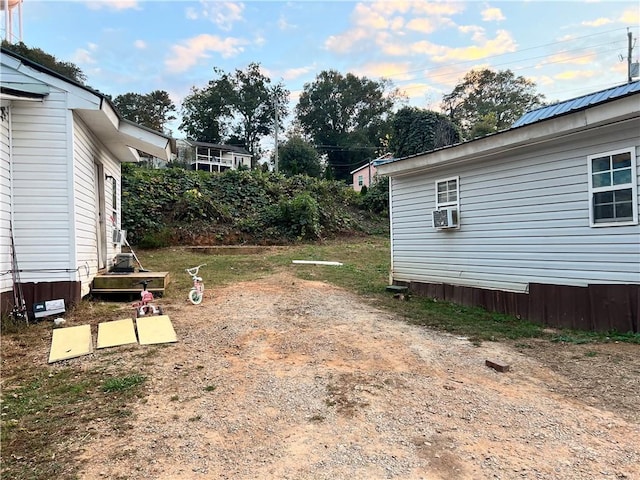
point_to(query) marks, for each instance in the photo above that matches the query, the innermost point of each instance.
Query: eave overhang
(520, 138)
(122, 137)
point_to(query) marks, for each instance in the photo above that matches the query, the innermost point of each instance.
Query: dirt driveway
(288, 379)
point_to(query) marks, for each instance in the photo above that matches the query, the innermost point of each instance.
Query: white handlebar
(194, 270)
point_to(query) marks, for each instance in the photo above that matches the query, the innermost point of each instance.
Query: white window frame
(447, 204)
(360, 180)
(633, 185)
(450, 203)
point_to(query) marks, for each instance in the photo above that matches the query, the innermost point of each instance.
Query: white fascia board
(39, 88)
(365, 166)
(143, 139)
(525, 137)
(22, 98)
(78, 97)
(134, 154)
(124, 138)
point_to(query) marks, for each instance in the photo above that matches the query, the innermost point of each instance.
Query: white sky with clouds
(568, 48)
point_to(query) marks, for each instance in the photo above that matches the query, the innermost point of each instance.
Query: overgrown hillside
(184, 207)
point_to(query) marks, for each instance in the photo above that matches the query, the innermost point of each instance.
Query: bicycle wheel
(195, 297)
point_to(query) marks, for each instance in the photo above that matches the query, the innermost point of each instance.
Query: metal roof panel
(578, 103)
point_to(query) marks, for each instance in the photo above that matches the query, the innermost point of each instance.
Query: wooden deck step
(130, 282)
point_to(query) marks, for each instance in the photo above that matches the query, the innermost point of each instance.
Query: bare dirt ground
(288, 379)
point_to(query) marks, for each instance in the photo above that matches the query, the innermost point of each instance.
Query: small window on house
(446, 213)
(613, 188)
(447, 193)
(114, 201)
(360, 180)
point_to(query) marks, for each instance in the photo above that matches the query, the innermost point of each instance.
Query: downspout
(11, 189)
(71, 178)
(390, 231)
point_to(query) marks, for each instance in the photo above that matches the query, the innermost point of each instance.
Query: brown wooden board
(130, 282)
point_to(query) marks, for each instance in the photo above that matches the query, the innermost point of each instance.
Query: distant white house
(366, 175)
(212, 157)
(62, 146)
(540, 220)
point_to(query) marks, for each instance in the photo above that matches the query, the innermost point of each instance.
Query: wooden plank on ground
(155, 329)
(70, 342)
(118, 332)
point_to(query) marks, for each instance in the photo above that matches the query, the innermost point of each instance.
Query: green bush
(301, 217)
(376, 197)
(156, 239)
(177, 206)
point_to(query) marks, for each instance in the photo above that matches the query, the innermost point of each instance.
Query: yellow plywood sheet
(70, 342)
(118, 332)
(155, 329)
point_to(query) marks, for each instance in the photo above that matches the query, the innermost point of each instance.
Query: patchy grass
(579, 337)
(365, 271)
(123, 383)
(45, 414)
(475, 323)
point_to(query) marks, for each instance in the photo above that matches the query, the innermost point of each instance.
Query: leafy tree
(346, 116)
(37, 55)
(485, 92)
(414, 130)
(152, 110)
(203, 114)
(297, 156)
(486, 124)
(253, 102)
(242, 103)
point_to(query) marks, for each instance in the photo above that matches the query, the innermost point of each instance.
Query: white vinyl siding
(88, 151)
(40, 157)
(50, 172)
(6, 283)
(526, 220)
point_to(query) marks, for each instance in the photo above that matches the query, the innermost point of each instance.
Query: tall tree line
(342, 119)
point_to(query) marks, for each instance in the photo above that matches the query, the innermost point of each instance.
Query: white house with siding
(212, 157)
(540, 220)
(62, 146)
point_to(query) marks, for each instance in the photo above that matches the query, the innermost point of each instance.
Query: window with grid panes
(447, 193)
(613, 188)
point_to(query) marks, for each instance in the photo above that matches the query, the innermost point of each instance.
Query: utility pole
(630, 50)
(276, 133)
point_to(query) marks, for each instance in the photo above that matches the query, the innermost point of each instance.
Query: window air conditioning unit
(119, 236)
(445, 218)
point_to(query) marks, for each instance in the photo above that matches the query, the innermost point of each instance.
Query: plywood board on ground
(155, 329)
(70, 342)
(118, 332)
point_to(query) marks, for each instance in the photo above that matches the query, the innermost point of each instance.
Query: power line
(516, 52)
(566, 59)
(519, 51)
